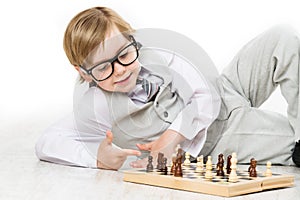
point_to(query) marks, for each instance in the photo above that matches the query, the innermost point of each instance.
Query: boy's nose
(119, 69)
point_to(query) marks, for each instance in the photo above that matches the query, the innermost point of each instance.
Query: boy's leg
(271, 59)
(251, 132)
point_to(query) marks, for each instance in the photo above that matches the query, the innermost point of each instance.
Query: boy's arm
(82, 139)
(61, 144)
(74, 140)
(202, 105)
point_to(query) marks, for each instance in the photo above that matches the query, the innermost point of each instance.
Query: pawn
(150, 165)
(250, 165)
(208, 172)
(269, 172)
(252, 172)
(200, 164)
(187, 161)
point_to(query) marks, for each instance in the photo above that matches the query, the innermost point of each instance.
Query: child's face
(123, 78)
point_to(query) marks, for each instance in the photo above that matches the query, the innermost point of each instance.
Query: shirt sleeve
(74, 140)
(201, 105)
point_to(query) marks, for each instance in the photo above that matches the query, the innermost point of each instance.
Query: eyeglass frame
(137, 46)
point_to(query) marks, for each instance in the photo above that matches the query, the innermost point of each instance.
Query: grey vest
(132, 124)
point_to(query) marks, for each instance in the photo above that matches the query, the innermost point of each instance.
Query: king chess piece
(233, 175)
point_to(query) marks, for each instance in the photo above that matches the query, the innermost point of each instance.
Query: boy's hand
(165, 144)
(110, 157)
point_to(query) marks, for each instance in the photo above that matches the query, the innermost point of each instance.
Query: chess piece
(160, 161)
(178, 168)
(220, 165)
(177, 148)
(208, 172)
(173, 164)
(269, 172)
(233, 175)
(200, 164)
(252, 171)
(187, 159)
(150, 165)
(250, 165)
(164, 166)
(228, 164)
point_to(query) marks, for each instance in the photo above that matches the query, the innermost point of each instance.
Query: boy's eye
(123, 54)
(103, 67)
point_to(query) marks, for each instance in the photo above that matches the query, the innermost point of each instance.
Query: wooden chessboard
(195, 182)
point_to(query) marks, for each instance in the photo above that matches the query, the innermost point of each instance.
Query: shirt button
(166, 114)
(157, 104)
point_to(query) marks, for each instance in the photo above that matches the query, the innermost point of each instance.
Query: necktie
(150, 88)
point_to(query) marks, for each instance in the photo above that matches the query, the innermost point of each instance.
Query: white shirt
(75, 140)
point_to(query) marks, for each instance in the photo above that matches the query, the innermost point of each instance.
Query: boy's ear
(85, 76)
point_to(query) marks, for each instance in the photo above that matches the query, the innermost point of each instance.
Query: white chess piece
(187, 159)
(269, 172)
(208, 172)
(200, 164)
(233, 176)
(177, 147)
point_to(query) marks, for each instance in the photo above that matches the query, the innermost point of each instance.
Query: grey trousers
(269, 60)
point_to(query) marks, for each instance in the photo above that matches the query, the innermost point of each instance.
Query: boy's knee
(283, 32)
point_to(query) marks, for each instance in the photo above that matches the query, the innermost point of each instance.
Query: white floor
(23, 176)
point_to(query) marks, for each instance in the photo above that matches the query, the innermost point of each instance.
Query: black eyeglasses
(125, 57)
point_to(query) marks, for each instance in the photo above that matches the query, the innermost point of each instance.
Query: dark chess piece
(252, 171)
(173, 165)
(178, 168)
(150, 165)
(164, 166)
(160, 161)
(220, 165)
(296, 154)
(250, 164)
(179, 154)
(228, 164)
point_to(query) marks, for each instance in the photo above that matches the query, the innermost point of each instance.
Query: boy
(144, 99)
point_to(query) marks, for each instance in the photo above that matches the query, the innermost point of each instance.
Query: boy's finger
(145, 147)
(131, 152)
(139, 163)
(109, 137)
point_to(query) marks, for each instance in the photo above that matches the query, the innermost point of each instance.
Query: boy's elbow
(39, 148)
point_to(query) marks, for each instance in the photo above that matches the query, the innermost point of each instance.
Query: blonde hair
(88, 29)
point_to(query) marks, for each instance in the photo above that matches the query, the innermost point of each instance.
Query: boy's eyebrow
(115, 53)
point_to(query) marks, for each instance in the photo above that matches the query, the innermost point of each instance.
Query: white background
(36, 77)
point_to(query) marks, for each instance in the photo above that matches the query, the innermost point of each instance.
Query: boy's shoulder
(93, 98)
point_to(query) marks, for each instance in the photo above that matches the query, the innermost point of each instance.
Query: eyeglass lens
(125, 57)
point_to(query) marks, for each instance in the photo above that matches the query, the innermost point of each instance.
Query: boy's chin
(124, 89)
